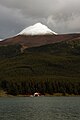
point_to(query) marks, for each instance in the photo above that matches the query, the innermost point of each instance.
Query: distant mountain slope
(64, 47)
(38, 40)
(38, 35)
(53, 68)
(68, 47)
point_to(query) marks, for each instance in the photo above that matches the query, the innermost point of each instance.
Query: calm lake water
(40, 108)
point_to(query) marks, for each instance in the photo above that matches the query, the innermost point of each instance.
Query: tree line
(47, 86)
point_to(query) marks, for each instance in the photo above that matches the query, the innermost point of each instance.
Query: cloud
(62, 16)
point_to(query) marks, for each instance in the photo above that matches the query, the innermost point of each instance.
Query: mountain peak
(38, 24)
(37, 29)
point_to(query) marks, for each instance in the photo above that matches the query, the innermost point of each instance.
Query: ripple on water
(40, 108)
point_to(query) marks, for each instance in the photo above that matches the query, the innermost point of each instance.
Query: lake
(40, 108)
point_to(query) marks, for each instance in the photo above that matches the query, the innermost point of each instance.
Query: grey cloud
(62, 16)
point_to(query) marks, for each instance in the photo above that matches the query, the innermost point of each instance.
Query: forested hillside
(53, 68)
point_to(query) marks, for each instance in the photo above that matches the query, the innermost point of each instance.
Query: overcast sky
(62, 16)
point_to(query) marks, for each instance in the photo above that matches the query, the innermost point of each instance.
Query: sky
(61, 16)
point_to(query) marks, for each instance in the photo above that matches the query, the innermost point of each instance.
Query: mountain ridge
(38, 40)
(38, 35)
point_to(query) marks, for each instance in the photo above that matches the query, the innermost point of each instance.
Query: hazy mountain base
(48, 69)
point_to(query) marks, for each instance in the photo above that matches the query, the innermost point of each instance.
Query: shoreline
(4, 94)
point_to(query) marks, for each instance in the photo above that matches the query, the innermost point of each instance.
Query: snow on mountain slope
(37, 29)
(1, 39)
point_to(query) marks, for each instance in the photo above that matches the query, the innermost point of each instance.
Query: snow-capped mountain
(37, 29)
(37, 35)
